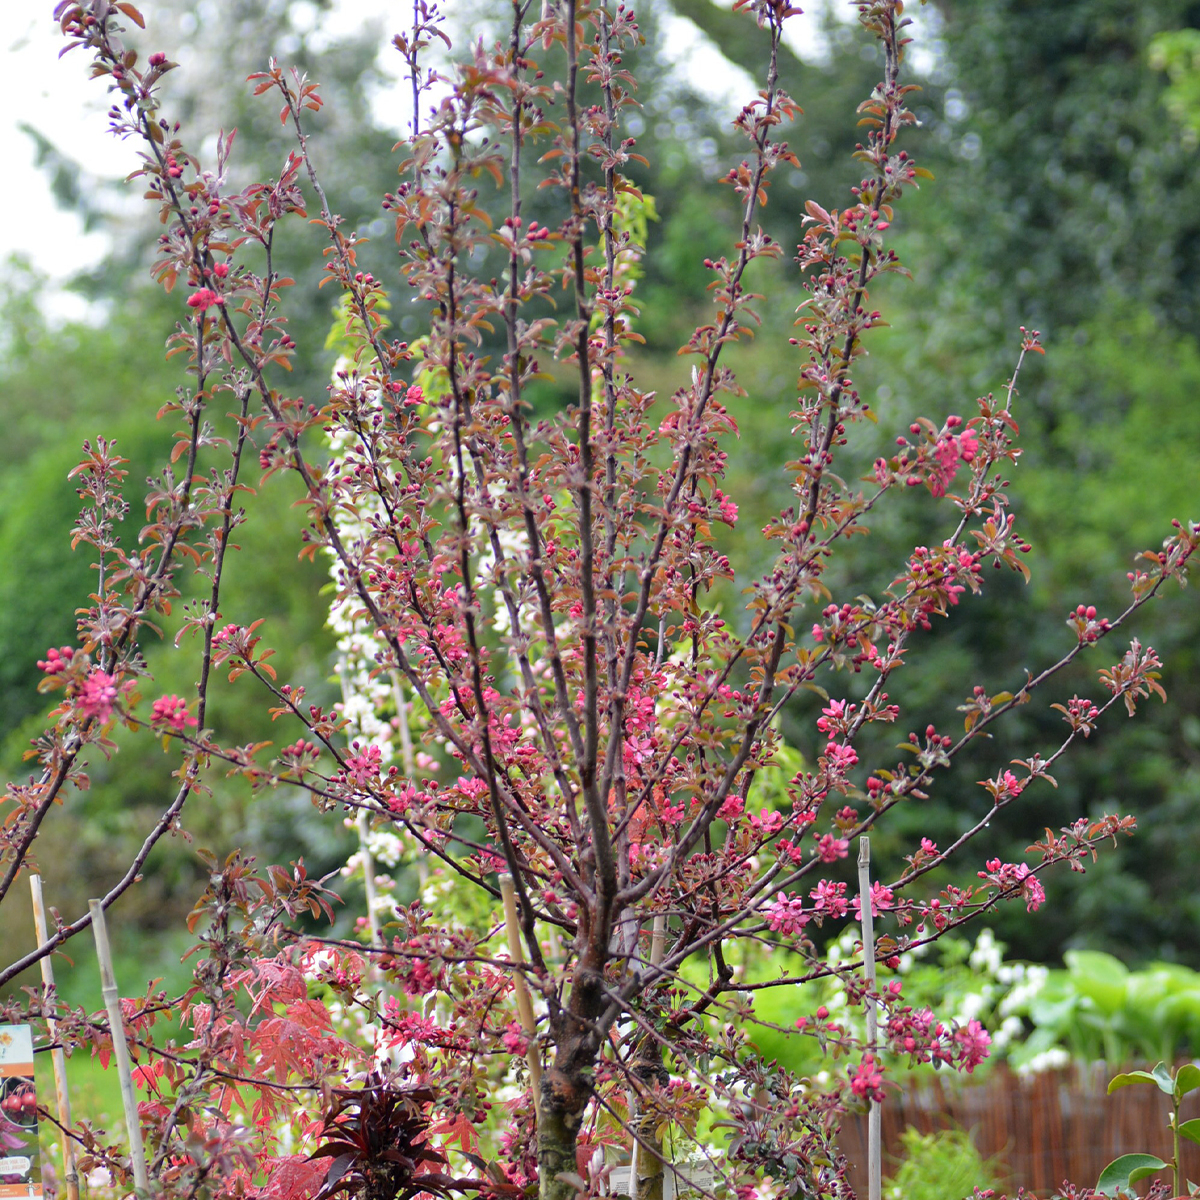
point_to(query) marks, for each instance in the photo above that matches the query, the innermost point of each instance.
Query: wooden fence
(1043, 1129)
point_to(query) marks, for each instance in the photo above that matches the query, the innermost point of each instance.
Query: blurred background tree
(1066, 172)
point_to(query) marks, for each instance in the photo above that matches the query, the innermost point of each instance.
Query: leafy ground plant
(1118, 1178)
(940, 1166)
(558, 724)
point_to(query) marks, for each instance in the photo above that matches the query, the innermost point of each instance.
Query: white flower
(1048, 1060)
(988, 954)
(970, 1006)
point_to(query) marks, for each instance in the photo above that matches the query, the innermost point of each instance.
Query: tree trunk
(646, 1179)
(563, 1103)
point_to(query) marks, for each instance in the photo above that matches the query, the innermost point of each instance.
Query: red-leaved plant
(533, 600)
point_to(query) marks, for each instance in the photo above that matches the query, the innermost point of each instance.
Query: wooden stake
(70, 1174)
(648, 1178)
(116, 1023)
(874, 1118)
(521, 990)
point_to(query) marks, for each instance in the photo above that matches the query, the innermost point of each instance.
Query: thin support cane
(874, 1117)
(521, 990)
(70, 1174)
(112, 1002)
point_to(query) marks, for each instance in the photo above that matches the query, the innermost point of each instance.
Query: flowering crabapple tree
(543, 706)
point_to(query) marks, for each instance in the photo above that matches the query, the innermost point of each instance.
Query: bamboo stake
(70, 1174)
(521, 990)
(641, 1129)
(112, 1002)
(874, 1122)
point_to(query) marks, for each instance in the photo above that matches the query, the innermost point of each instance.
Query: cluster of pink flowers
(1008, 876)
(1006, 786)
(97, 695)
(973, 1042)
(867, 1079)
(786, 915)
(829, 848)
(363, 766)
(951, 449)
(513, 1039)
(172, 711)
(835, 718)
(420, 980)
(725, 507)
(922, 1036)
(404, 1027)
(840, 757)
(829, 898)
(732, 808)
(203, 299)
(882, 899)
(767, 823)
(670, 812)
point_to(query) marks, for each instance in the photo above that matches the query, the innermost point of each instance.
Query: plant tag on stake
(20, 1162)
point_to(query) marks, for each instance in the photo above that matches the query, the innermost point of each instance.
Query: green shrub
(941, 1166)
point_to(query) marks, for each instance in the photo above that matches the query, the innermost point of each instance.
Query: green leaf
(1122, 1172)
(1188, 1079)
(1124, 1080)
(1191, 1130)
(1100, 977)
(1162, 1076)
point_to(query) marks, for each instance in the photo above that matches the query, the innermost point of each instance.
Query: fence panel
(1044, 1129)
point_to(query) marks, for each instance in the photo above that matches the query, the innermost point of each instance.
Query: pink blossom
(670, 813)
(98, 695)
(404, 1027)
(949, 451)
(204, 299)
(830, 849)
(221, 270)
(639, 750)
(733, 808)
(786, 915)
(829, 898)
(363, 768)
(973, 1041)
(882, 898)
(840, 757)
(173, 711)
(867, 1080)
(1010, 876)
(768, 822)
(514, 1039)
(833, 719)
(793, 851)
(726, 507)
(1032, 891)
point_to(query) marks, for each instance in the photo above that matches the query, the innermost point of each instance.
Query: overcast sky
(55, 97)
